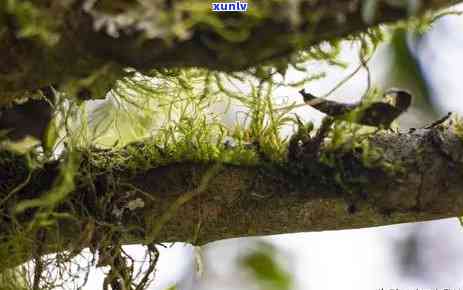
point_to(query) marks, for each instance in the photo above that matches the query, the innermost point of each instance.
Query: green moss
(33, 21)
(458, 126)
(161, 117)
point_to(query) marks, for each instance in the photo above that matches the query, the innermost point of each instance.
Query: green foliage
(264, 267)
(405, 66)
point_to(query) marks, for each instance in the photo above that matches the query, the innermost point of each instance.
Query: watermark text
(237, 6)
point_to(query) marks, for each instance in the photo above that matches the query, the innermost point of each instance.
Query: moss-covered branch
(64, 42)
(418, 176)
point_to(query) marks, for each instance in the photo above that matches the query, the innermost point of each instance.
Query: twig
(438, 122)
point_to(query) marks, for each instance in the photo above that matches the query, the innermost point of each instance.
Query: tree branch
(417, 177)
(269, 31)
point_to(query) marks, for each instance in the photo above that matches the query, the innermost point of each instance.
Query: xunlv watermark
(230, 7)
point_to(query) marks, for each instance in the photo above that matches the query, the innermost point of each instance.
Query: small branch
(39, 263)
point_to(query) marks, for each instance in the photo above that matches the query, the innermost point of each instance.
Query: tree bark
(270, 31)
(417, 177)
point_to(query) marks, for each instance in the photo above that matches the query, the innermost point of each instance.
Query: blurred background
(424, 255)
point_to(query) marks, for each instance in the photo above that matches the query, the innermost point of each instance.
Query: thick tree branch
(245, 40)
(417, 177)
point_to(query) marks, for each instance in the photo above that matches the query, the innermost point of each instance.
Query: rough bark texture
(283, 28)
(236, 201)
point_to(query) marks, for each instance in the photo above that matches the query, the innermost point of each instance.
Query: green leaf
(266, 270)
(407, 72)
